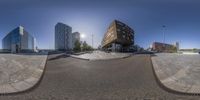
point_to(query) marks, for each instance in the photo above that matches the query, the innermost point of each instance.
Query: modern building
(75, 37)
(189, 51)
(63, 37)
(177, 46)
(119, 37)
(163, 47)
(18, 40)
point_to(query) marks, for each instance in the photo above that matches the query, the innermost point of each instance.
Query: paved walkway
(178, 72)
(19, 72)
(100, 55)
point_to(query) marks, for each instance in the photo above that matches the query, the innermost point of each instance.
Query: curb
(101, 59)
(165, 87)
(79, 58)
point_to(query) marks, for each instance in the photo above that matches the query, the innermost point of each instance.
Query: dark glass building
(18, 40)
(119, 37)
(63, 37)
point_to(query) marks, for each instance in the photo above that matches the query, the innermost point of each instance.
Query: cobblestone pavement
(67, 78)
(178, 72)
(19, 72)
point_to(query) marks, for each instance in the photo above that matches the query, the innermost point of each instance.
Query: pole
(164, 33)
(92, 40)
(164, 37)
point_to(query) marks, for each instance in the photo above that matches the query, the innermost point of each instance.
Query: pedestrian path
(19, 72)
(100, 55)
(178, 72)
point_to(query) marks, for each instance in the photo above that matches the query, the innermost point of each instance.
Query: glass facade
(30, 42)
(18, 40)
(63, 37)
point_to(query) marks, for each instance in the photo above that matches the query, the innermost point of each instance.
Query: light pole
(92, 40)
(164, 28)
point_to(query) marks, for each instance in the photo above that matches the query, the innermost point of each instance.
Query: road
(68, 78)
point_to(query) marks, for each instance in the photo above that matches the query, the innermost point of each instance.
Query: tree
(77, 46)
(173, 49)
(195, 50)
(86, 47)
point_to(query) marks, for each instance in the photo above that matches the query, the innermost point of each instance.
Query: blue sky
(146, 17)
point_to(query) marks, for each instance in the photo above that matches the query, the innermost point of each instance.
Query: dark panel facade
(63, 37)
(119, 37)
(162, 47)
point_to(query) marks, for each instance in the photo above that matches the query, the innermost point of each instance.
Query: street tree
(77, 46)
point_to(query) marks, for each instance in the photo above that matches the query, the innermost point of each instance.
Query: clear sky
(146, 17)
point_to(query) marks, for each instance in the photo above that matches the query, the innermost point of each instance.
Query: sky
(145, 17)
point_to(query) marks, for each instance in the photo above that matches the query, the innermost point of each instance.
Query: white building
(63, 37)
(75, 37)
(177, 46)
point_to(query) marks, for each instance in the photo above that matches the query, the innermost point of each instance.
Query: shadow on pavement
(58, 57)
(34, 54)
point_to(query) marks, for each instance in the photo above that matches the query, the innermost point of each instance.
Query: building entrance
(17, 48)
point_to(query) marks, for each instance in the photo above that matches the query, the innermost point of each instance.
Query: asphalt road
(68, 78)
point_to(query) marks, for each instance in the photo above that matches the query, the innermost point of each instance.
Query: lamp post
(92, 40)
(164, 28)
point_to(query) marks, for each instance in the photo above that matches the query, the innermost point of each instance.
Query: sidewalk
(100, 55)
(178, 72)
(20, 72)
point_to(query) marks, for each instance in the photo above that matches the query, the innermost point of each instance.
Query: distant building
(119, 37)
(189, 51)
(177, 46)
(18, 40)
(75, 37)
(163, 47)
(63, 37)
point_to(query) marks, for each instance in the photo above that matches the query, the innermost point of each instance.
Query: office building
(177, 46)
(18, 40)
(75, 37)
(63, 37)
(163, 47)
(119, 37)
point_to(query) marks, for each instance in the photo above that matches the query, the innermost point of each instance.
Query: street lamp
(92, 40)
(164, 28)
